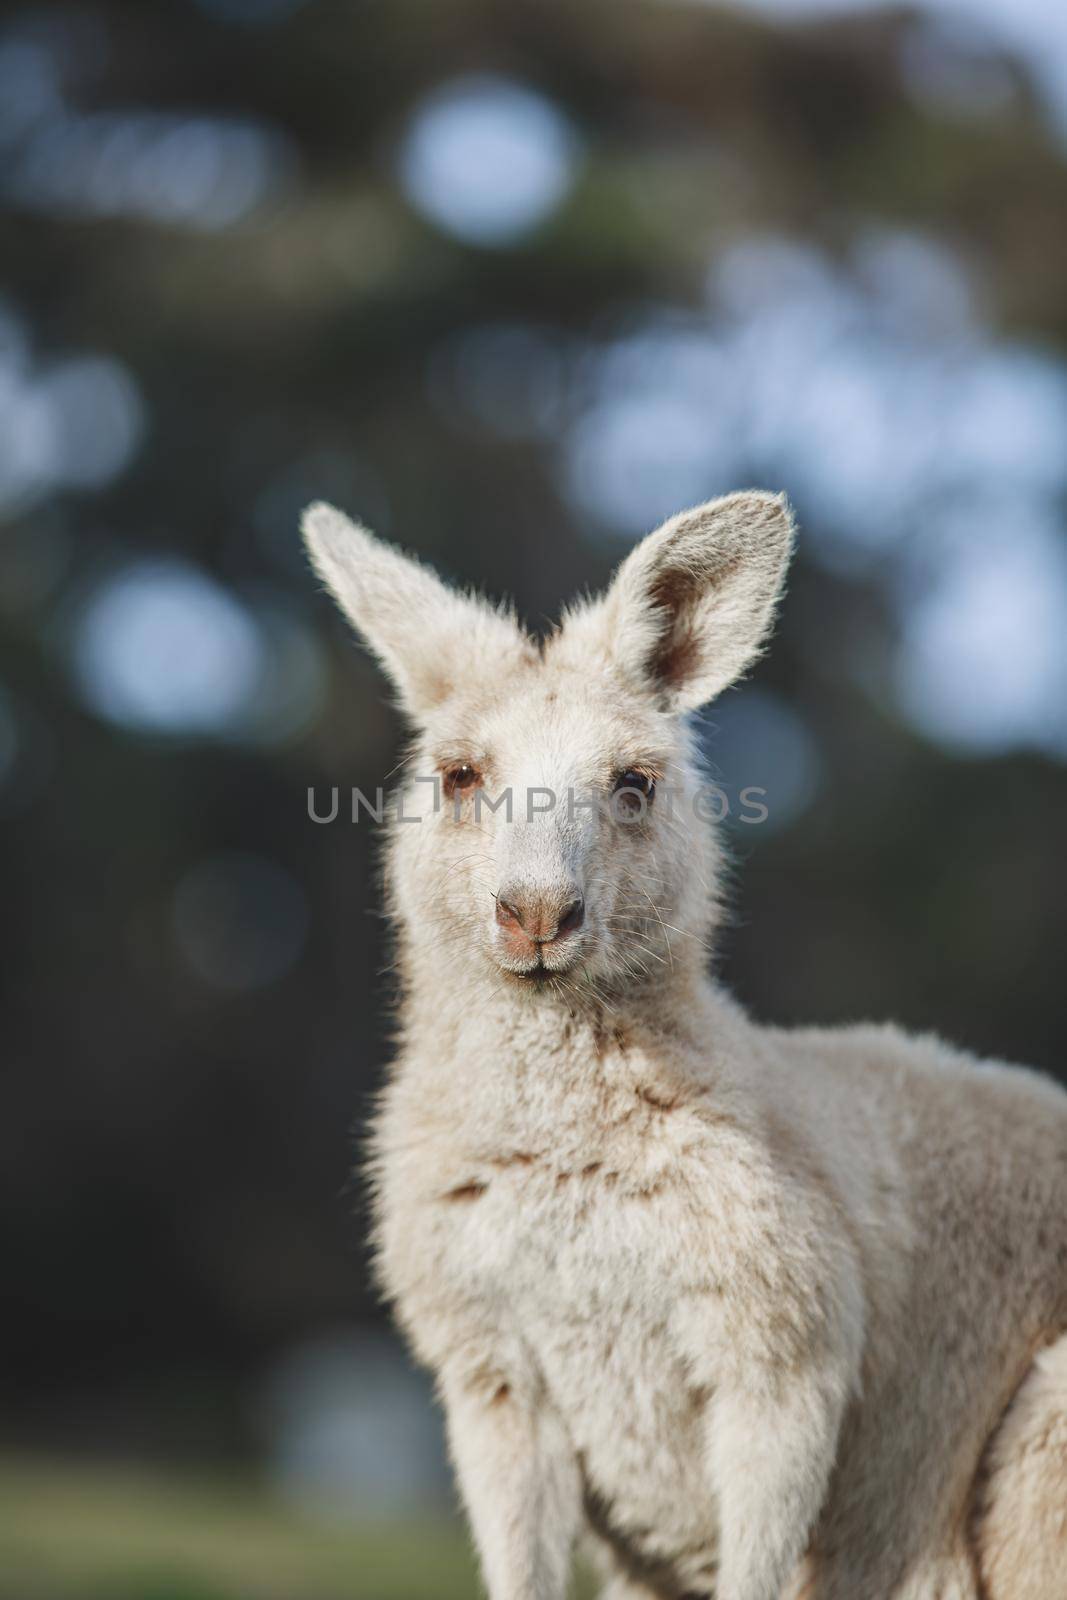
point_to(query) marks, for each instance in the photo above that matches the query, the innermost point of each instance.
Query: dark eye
(460, 778)
(635, 783)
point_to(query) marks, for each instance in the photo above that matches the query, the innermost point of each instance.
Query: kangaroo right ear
(428, 637)
(691, 605)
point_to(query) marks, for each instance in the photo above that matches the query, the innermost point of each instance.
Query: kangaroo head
(557, 835)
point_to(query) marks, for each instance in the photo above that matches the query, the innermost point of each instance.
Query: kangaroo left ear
(691, 606)
(429, 638)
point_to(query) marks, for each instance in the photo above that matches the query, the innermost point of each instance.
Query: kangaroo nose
(542, 918)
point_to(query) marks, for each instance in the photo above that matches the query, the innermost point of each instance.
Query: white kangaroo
(760, 1313)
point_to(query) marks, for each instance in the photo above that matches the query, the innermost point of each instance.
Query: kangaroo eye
(460, 778)
(634, 781)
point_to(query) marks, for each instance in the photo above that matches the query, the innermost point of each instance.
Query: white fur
(745, 1307)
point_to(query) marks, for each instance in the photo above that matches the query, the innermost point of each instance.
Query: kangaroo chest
(582, 1262)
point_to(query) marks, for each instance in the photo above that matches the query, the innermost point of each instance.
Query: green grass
(76, 1532)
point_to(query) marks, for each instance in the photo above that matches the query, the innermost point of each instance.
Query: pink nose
(543, 919)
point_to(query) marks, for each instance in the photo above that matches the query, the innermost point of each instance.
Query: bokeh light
(160, 647)
(757, 740)
(982, 663)
(185, 170)
(96, 419)
(352, 1429)
(487, 159)
(74, 424)
(508, 378)
(291, 684)
(29, 87)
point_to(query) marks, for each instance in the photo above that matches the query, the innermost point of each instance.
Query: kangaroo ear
(428, 637)
(690, 607)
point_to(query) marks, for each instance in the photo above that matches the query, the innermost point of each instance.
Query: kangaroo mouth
(538, 976)
(538, 967)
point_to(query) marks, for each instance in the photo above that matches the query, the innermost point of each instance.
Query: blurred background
(511, 283)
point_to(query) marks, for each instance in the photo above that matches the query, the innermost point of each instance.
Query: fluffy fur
(762, 1314)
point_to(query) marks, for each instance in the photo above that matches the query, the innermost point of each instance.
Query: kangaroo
(758, 1313)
